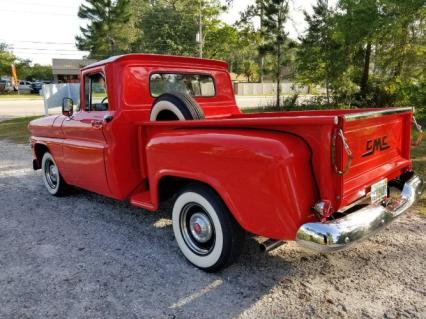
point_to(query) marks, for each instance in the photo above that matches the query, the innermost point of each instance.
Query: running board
(142, 200)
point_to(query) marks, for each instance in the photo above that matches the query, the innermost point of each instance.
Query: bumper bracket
(340, 233)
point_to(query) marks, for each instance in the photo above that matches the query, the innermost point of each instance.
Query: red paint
(270, 168)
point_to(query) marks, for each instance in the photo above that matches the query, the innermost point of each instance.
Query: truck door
(84, 146)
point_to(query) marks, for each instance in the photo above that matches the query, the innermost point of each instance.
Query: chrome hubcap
(51, 173)
(197, 229)
(200, 227)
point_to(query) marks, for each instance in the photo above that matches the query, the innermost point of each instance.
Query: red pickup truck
(151, 128)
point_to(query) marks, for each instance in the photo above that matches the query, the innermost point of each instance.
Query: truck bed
(385, 133)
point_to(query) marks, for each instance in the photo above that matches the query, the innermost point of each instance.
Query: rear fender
(264, 178)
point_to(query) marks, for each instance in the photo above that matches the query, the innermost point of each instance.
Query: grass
(23, 96)
(15, 130)
(418, 155)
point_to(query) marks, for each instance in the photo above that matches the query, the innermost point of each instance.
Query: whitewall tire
(205, 231)
(175, 106)
(52, 179)
(162, 106)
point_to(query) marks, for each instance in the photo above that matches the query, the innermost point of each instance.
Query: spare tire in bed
(175, 106)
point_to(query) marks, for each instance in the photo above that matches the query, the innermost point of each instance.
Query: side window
(95, 93)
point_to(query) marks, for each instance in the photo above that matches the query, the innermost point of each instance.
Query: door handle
(108, 118)
(96, 123)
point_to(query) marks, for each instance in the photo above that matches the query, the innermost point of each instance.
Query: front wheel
(206, 232)
(52, 179)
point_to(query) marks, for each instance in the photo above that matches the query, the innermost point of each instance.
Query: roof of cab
(161, 59)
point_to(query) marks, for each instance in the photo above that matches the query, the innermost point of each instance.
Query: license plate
(379, 191)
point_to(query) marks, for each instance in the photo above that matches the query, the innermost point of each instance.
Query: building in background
(68, 70)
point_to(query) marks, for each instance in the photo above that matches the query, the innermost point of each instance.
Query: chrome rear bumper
(339, 233)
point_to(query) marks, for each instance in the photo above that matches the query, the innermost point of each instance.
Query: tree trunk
(200, 29)
(327, 84)
(403, 50)
(365, 73)
(278, 75)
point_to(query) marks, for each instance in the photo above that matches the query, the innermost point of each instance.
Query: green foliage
(105, 33)
(236, 46)
(40, 72)
(171, 27)
(6, 60)
(160, 32)
(316, 57)
(250, 69)
(24, 69)
(34, 72)
(272, 37)
(367, 53)
(400, 61)
(247, 27)
(275, 36)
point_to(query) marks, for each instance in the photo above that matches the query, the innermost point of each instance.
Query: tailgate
(379, 141)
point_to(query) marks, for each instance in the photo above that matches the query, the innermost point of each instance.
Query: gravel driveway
(85, 256)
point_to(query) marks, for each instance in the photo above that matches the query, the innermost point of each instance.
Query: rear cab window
(196, 85)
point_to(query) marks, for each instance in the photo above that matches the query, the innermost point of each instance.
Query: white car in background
(5, 86)
(25, 86)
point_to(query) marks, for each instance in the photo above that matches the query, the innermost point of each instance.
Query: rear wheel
(206, 232)
(52, 179)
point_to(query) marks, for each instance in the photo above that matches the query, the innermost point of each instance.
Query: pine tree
(256, 11)
(275, 16)
(318, 50)
(359, 23)
(105, 33)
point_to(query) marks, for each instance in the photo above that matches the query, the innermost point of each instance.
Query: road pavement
(19, 108)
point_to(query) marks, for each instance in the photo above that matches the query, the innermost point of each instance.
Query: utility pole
(262, 33)
(200, 31)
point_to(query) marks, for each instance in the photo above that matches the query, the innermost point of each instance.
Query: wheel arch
(39, 150)
(168, 184)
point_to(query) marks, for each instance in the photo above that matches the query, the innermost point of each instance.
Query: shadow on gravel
(164, 283)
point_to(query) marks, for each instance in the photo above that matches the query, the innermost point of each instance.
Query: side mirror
(67, 106)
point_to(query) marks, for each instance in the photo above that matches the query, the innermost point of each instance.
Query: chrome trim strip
(356, 226)
(371, 114)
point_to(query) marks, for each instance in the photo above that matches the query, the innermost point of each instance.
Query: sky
(40, 30)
